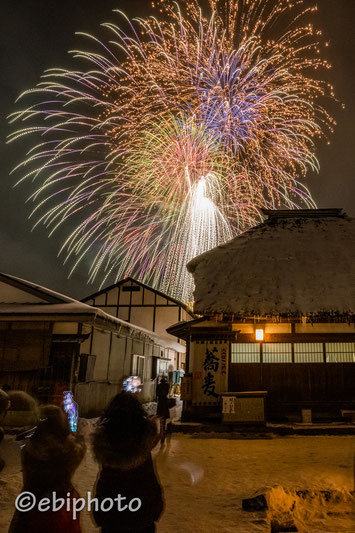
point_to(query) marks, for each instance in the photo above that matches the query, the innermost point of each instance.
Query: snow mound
(319, 512)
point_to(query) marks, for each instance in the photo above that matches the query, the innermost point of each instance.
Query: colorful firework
(218, 110)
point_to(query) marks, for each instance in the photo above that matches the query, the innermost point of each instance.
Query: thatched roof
(295, 263)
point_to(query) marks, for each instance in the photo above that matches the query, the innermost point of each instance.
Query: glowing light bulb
(259, 334)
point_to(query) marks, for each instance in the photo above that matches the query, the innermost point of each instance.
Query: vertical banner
(186, 387)
(210, 371)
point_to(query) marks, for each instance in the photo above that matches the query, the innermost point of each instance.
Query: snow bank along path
(205, 478)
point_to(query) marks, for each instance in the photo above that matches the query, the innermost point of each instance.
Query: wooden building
(279, 300)
(137, 303)
(50, 342)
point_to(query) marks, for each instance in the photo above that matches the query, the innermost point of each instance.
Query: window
(304, 352)
(138, 366)
(277, 352)
(308, 352)
(340, 352)
(163, 367)
(129, 288)
(86, 367)
(245, 352)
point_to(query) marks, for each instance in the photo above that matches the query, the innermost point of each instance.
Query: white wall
(140, 307)
(101, 348)
(165, 317)
(113, 363)
(143, 317)
(116, 366)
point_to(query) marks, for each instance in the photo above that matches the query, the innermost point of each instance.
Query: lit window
(259, 334)
(245, 352)
(308, 352)
(277, 352)
(340, 352)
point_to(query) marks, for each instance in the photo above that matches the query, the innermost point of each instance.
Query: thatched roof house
(295, 263)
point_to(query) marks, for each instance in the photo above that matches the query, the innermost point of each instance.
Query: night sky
(36, 35)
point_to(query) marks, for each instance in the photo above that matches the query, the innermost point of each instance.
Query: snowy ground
(205, 477)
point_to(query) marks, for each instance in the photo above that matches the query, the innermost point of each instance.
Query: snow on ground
(206, 476)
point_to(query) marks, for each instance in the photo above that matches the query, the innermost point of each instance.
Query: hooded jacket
(48, 463)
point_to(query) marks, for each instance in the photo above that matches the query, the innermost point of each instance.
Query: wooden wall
(325, 387)
(93, 397)
(25, 381)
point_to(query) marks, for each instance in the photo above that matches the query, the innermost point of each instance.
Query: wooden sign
(228, 405)
(186, 388)
(210, 372)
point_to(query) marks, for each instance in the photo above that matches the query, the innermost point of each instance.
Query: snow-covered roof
(67, 312)
(67, 309)
(34, 289)
(296, 262)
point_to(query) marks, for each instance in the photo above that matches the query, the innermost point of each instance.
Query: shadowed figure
(163, 405)
(122, 445)
(50, 457)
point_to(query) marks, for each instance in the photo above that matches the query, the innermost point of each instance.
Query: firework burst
(218, 110)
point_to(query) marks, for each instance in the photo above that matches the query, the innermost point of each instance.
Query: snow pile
(283, 266)
(310, 512)
(150, 408)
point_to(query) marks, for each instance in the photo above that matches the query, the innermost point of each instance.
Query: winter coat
(48, 465)
(127, 470)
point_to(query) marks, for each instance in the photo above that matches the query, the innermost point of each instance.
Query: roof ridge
(336, 212)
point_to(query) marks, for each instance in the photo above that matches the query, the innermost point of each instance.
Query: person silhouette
(163, 405)
(122, 445)
(50, 457)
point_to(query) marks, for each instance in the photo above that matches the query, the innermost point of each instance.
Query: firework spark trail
(223, 97)
(202, 224)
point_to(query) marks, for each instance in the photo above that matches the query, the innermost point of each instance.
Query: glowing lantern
(132, 384)
(259, 334)
(71, 408)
